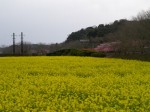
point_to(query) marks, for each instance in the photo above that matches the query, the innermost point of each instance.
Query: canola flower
(71, 84)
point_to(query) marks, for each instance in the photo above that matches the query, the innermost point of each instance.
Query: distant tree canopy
(134, 35)
(96, 31)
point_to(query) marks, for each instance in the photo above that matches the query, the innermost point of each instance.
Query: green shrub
(98, 54)
(75, 52)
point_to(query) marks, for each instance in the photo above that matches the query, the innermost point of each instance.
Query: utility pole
(14, 51)
(22, 43)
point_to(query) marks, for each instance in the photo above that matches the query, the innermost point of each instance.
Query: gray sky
(50, 21)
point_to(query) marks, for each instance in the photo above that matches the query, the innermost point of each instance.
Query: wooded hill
(96, 31)
(133, 35)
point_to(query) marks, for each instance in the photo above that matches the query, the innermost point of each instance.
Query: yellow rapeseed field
(73, 84)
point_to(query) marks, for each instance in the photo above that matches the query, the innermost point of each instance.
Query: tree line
(96, 31)
(133, 35)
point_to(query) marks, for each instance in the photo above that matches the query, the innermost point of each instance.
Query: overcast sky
(51, 21)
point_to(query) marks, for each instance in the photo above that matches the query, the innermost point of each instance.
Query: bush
(75, 52)
(98, 54)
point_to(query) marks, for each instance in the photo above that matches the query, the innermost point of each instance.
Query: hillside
(133, 35)
(96, 31)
